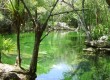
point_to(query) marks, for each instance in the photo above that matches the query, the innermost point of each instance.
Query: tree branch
(12, 5)
(46, 34)
(32, 19)
(45, 24)
(67, 12)
(68, 4)
(80, 18)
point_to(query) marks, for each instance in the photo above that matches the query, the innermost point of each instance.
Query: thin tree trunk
(17, 24)
(18, 58)
(89, 38)
(0, 57)
(80, 19)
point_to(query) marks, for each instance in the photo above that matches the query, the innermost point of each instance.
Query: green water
(67, 48)
(59, 47)
(61, 53)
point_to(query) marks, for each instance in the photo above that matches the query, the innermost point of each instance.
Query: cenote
(61, 57)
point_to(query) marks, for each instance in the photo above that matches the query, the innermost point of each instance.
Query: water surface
(61, 57)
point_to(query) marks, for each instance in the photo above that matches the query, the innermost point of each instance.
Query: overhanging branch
(45, 24)
(67, 12)
(46, 34)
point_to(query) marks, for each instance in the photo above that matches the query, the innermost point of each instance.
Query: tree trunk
(39, 29)
(18, 58)
(34, 59)
(0, 57)
(87, 31)
(17, 25)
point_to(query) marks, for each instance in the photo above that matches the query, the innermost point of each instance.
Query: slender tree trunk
(0, 57)
(17, 24)
(88, 34)
(18, 58)
(80, 19)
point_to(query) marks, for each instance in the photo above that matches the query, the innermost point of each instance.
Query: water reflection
(56, 73)
(80, 65)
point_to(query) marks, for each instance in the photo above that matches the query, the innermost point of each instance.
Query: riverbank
(8, 72)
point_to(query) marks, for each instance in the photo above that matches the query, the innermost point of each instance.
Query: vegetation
(38, 18)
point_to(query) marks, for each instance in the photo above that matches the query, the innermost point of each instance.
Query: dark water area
(61, 57)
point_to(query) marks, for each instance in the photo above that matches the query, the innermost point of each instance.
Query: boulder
(10, 76)
(102, 42)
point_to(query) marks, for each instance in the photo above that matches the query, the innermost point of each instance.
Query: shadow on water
(77, 65)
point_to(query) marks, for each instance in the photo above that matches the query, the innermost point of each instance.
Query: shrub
(6, 45)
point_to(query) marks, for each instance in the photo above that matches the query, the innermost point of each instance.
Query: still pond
(62, 57)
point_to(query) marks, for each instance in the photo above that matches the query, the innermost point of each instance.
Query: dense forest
(32, 31)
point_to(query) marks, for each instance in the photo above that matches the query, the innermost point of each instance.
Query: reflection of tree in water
(101, 66)
(94, 67)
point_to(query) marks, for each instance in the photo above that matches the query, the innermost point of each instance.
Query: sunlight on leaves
(1, 17)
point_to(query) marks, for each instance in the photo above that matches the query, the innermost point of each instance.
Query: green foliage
(1, 43)
(97, 16)
(40, 3)
(1, 16)
(99, 31)
(12, 7)
(6, 44)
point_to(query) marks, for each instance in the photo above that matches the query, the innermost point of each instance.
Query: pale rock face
(104, 38)
(62, 24)
(102, 41)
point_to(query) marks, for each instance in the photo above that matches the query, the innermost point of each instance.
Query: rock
(10, 72)
(103, 38)
(89, 49)
(102, 42)
(62, 25)
(10, 76)
(91, 43)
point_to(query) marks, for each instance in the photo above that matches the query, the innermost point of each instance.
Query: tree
(1, 42)
(39, 30)
(17, 23)
(81, 18)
